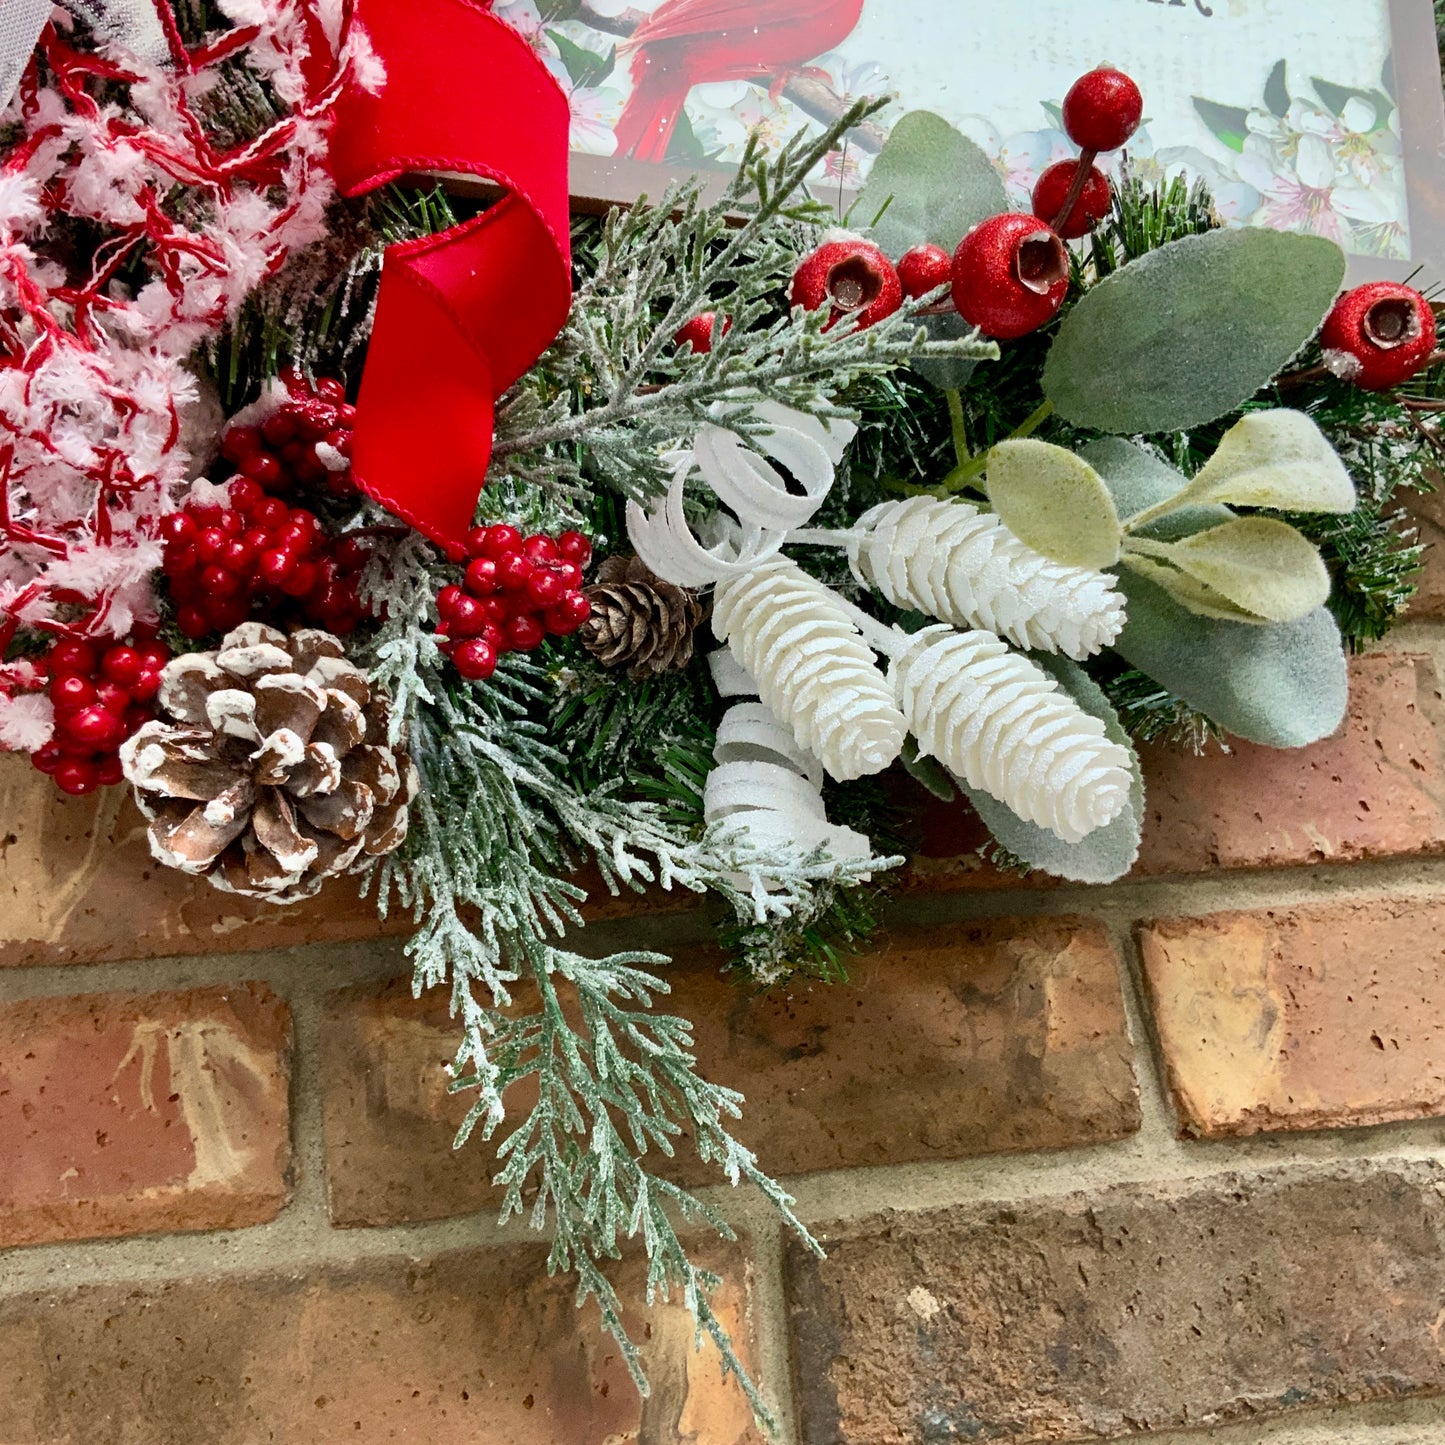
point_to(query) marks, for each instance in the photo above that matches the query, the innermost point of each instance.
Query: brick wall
(1164, 1160)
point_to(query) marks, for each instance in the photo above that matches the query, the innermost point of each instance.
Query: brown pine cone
(638, 620)
(269, 769)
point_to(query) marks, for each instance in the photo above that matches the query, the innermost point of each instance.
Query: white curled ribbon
(739, 472)
(764, 786)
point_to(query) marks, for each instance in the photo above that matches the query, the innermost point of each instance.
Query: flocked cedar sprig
(616, 377)
(501, 822)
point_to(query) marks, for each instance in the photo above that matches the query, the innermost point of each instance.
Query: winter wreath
(361, 528)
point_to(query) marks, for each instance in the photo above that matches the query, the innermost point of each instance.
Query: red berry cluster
(221, 562)
(280, 453)
(517, 590)
(100, 696)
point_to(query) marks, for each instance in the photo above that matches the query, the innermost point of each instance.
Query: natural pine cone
(269, 769)
(638, 620)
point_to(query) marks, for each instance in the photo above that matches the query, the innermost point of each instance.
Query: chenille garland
(773, 536)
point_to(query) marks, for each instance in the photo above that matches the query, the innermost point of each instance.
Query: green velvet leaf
(1190, 331)
(1107, 853)
(1054, 501)
(1283, 684)
(1278, 459)
(1138, 480)
(946, 375)
(935, 183)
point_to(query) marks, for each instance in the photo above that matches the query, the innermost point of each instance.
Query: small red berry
(96, 727)
(192, 622)
(1379, 335)
(923, 269)
(852, 276)
(329, 389)
(514, 571)
(475, 660)
(109, 771)
(482, 576)
(571, 575)
(155, 655)
(500, 541)
(1102, 110)
(699, 332)
(302, 580)
(466, 618)
(210, 543)
(1053, 190)
(541, 548)
(178, 528)
(48, 758)
(569, 614)
(147, 685)
(447, 600)
(544, 587)
(494, 637)
(113, 696)
(272, 514)
(77, 776)
(279, 428)
(575, 548)
(1010, 275)
(228, 612)
(524, 632)
(245, 494)
(240, 441)
(71, 656)
(275, 566)
(70, 691)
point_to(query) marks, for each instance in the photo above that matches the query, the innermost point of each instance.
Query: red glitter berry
(1102, 110)
(1378, 336)
(1010, 275)
(853, 277)
(1052, 191)
(923, 269)
(698, 334)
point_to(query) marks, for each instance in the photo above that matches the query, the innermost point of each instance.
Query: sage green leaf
(1258, 563)
(1138, 480)
(1283, 684)
(1200, 599)
(1190, 331)
(935, 183)
(1053, 500)
(1279, 459)
(946, 375)
(1107, 853)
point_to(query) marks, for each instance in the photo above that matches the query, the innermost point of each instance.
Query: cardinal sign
(1307, 115)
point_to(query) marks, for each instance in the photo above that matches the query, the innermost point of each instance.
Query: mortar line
(764, 1233)
(1159, 1121)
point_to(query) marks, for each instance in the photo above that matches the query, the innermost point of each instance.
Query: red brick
(1303, 1018)
(1125, 1311)
(78, 885)
(124, 1114)
(1376, 790)
(949, 1041)
(476, 1347)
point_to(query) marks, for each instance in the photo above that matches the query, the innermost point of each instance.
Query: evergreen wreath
(783, 506)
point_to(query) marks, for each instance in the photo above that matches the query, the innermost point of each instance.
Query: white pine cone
(269, 769)
(963, 566)
(812, 667)
(1004, 726)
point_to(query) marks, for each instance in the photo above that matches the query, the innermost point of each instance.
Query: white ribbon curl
(739, 473)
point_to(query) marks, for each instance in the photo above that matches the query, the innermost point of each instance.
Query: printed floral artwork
(1310, 155)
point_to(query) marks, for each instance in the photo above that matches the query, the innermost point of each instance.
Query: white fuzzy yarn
(812, 667)
(964, 566)
(1003, 725)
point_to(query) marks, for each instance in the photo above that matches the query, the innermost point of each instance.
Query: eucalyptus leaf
(1283, 684)
(935, 183)
(1055, 502)
(1190, 331)
(946, 375)
(1278, 458)
(1107, 853)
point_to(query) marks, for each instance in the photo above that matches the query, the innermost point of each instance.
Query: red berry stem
(1071, 199)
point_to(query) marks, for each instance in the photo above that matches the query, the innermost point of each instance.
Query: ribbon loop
(463, 314)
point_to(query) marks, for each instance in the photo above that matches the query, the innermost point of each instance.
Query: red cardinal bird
(684, 43)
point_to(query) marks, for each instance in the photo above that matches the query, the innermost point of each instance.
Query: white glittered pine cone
(1004, 726)
(812, 667)
(963, 566)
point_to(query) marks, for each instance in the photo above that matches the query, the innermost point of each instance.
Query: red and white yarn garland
(94, 389)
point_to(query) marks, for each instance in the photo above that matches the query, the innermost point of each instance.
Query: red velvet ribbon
(460, 315)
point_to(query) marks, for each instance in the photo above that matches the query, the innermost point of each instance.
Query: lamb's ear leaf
(1190, 331)
(1279, 459)
(1260, 564)
(1283, 684)
(934, 182)
(1055, 502)
(1107, 853)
